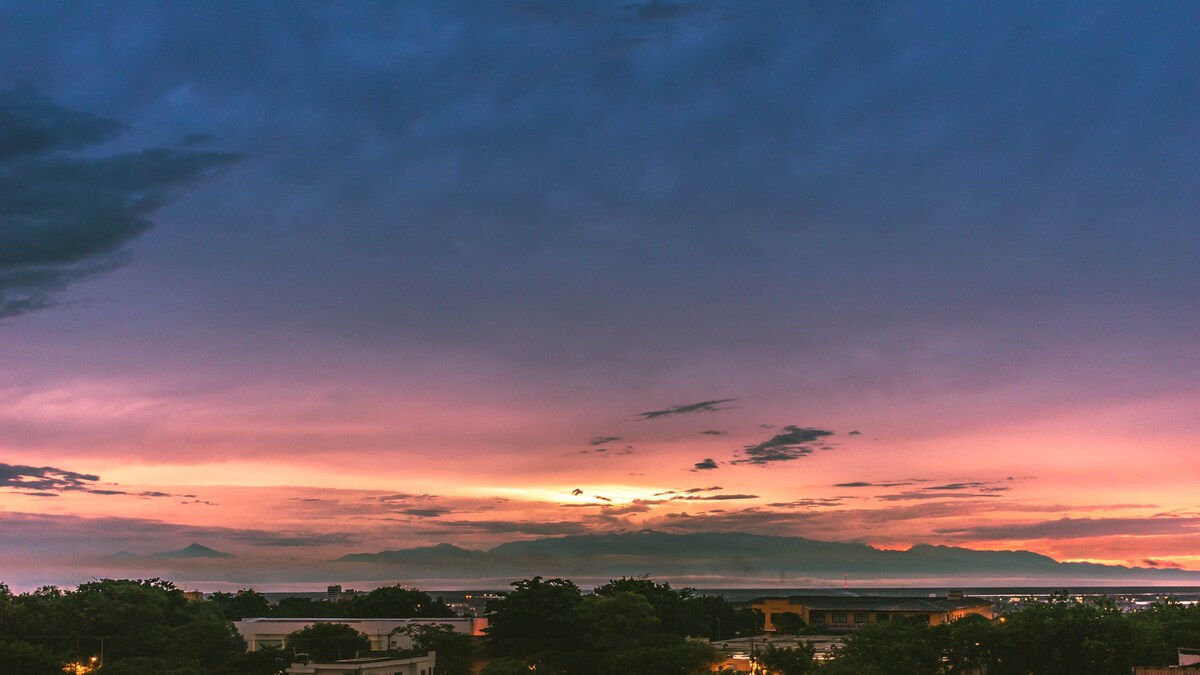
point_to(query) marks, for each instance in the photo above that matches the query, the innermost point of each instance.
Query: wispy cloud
(707, 465)
(701, 407)
(45, 478)
(49, 481)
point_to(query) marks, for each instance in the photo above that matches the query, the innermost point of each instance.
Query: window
(860, 617)
(839, 617)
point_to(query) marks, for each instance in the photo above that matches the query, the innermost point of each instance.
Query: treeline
(637, 626)
(130, 627)
(1062, 636)
(149, 627)
(630, 626)
(381, 603)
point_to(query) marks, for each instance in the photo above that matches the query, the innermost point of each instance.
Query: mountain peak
(194, 550)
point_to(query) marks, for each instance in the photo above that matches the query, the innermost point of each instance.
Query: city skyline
(297, 280)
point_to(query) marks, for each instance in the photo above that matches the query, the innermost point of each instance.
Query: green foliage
(135, 615)
(306, 608)
(22, 658)
(325, 642)
(668, 604)
(537, 617)
(788, 623)
(617, 630)
(267, 661)
(505, 666)
(392, 601)
(897, 647)
(245, 603)
(678, 658)
(788, 661)
(145, 665)
(209, 643)
(454, 650)
(1066, 637)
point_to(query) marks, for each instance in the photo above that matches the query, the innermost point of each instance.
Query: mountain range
(745, 558)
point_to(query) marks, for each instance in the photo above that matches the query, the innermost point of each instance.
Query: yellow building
(841, 612)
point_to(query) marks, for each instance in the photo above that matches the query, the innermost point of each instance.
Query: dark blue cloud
(66, 215)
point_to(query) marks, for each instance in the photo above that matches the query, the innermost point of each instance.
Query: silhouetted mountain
(194, 551)
(190, 551)
(741, 556)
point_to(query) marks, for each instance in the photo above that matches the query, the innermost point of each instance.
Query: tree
(712, 616)
(891, 648)
(22, 658)
(968, 644)
(296, 607)
(324, 642)
(788, 623)
(667, 602)
(393, 602)
(536, 618)
(265, 661)
(505, 666)
(454, 650)
(135, 614)
(209, 643)
(786, 661)
(680, 657)
(245, 603)
(147, 665)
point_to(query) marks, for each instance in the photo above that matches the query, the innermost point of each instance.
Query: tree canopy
(552, 626)
(327, 642)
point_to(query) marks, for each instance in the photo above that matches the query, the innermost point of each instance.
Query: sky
(299, 279)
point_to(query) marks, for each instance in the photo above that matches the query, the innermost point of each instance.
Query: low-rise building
(845, 612)
(262, 632)
(421, 665)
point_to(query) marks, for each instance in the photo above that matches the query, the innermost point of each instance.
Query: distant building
(271, 632)
(422, 665)
(193, 596)
(334, 593)
(842, 613)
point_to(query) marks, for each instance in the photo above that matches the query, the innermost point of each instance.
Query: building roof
(879, 603)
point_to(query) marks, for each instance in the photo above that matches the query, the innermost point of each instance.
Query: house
(843, 612)
(421, 665)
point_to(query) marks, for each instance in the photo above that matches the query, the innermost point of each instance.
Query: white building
(270, 632)
(422, 665)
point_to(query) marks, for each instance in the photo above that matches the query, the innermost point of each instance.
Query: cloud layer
(66, 212)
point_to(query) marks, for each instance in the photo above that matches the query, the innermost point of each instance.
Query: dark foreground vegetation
(1059, 637)
(623, 627)
(149, 627)
(631, 626)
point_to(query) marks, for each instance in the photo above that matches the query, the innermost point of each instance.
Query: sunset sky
(299, 279)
